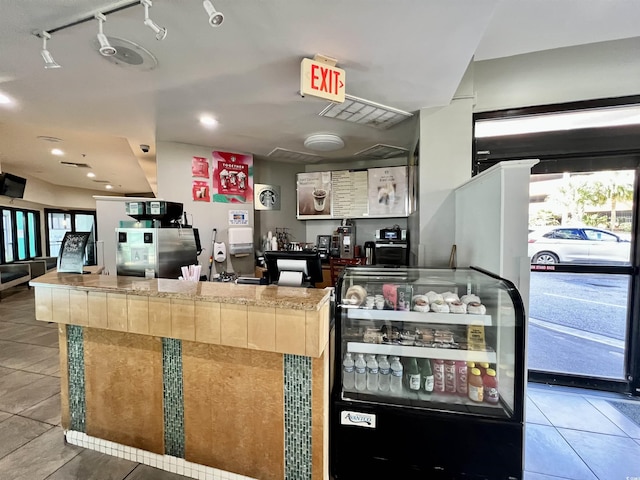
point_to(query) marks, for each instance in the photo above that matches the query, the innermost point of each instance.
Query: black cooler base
(410, 445)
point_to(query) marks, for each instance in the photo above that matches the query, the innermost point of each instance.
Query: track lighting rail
(92, 16)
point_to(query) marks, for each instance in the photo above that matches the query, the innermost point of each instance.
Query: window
(61, 221)
(20, 234)
(599, 236)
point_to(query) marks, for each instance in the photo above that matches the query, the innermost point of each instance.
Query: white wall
(174, 185)
(445, 163)
(494, 236)
(599, 70)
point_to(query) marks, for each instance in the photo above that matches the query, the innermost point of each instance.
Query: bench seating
(14, 274)
(41, 265)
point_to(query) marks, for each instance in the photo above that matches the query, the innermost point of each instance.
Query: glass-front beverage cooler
(430, 375)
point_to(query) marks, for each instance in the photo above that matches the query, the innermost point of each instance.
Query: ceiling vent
(382, 151)
(129, 55)
(102, 181)
(324, 142)
(365, 112)
(285, 155)
(75, 165)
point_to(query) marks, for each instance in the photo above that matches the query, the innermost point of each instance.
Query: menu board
(388, 192)
(349, 194)
(376, 192)
(314, 195)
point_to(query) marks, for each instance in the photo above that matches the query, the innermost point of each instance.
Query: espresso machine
(162, 243)
(344, 240)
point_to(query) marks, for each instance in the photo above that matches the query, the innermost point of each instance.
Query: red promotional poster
(232, 177)
(200, 167)
(200, 191)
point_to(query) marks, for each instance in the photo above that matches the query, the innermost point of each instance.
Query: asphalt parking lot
(578, 323)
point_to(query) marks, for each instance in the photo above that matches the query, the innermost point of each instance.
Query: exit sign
(322, 80)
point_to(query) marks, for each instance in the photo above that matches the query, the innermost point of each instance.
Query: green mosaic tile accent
(173, 400)
(297, 417)
(75, 360)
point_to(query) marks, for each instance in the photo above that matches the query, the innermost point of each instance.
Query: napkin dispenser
(240, 241)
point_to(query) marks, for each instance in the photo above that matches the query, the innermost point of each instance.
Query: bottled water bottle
(384, 372)
(348, 372)
(361, 372)
(396, 375)
(372, 373)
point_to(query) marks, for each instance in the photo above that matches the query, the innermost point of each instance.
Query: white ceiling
(407, 54)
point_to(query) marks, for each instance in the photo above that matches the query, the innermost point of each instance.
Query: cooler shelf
(422, 352)
(419, 317)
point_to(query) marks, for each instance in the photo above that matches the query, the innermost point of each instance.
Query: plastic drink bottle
(348, 372)
(490, 386)
(384, 373)
(372, 373)
(475, 387)
(396, 375)
(438, 375)
(361, 372)
(461, 377)
(450, 380)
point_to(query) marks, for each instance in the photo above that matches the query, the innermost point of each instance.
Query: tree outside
(592, 199)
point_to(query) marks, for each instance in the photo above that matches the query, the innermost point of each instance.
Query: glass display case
(432, 374)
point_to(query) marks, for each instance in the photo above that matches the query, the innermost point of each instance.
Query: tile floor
(570, 434)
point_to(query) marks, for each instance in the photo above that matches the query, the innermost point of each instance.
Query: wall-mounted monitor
(12, 185)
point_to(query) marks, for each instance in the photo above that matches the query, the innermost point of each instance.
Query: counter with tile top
(230, 378)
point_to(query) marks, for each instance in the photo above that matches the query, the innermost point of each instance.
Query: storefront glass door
(580, 245)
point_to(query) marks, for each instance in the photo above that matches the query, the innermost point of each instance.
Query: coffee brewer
(345, 239)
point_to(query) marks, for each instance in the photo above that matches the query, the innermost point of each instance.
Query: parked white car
(578, 245)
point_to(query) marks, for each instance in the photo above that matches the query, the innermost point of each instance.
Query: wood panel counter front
(231, 377)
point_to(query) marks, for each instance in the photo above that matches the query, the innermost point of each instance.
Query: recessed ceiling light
(108, 187)
(5, 100)
(208, 121)
(91, 175)
(57, 151)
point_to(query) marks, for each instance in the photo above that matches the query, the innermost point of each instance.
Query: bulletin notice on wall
(349, 194)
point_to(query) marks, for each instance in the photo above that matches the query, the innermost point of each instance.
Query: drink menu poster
(232, 177)
(388, 192)
(314, 195)
(349, 194)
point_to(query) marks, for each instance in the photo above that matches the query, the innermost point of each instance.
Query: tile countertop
(222, 292)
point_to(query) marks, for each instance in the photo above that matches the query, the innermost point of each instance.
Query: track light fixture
(215, 18)
(160, 32)
(49, 62)
(105, 47)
